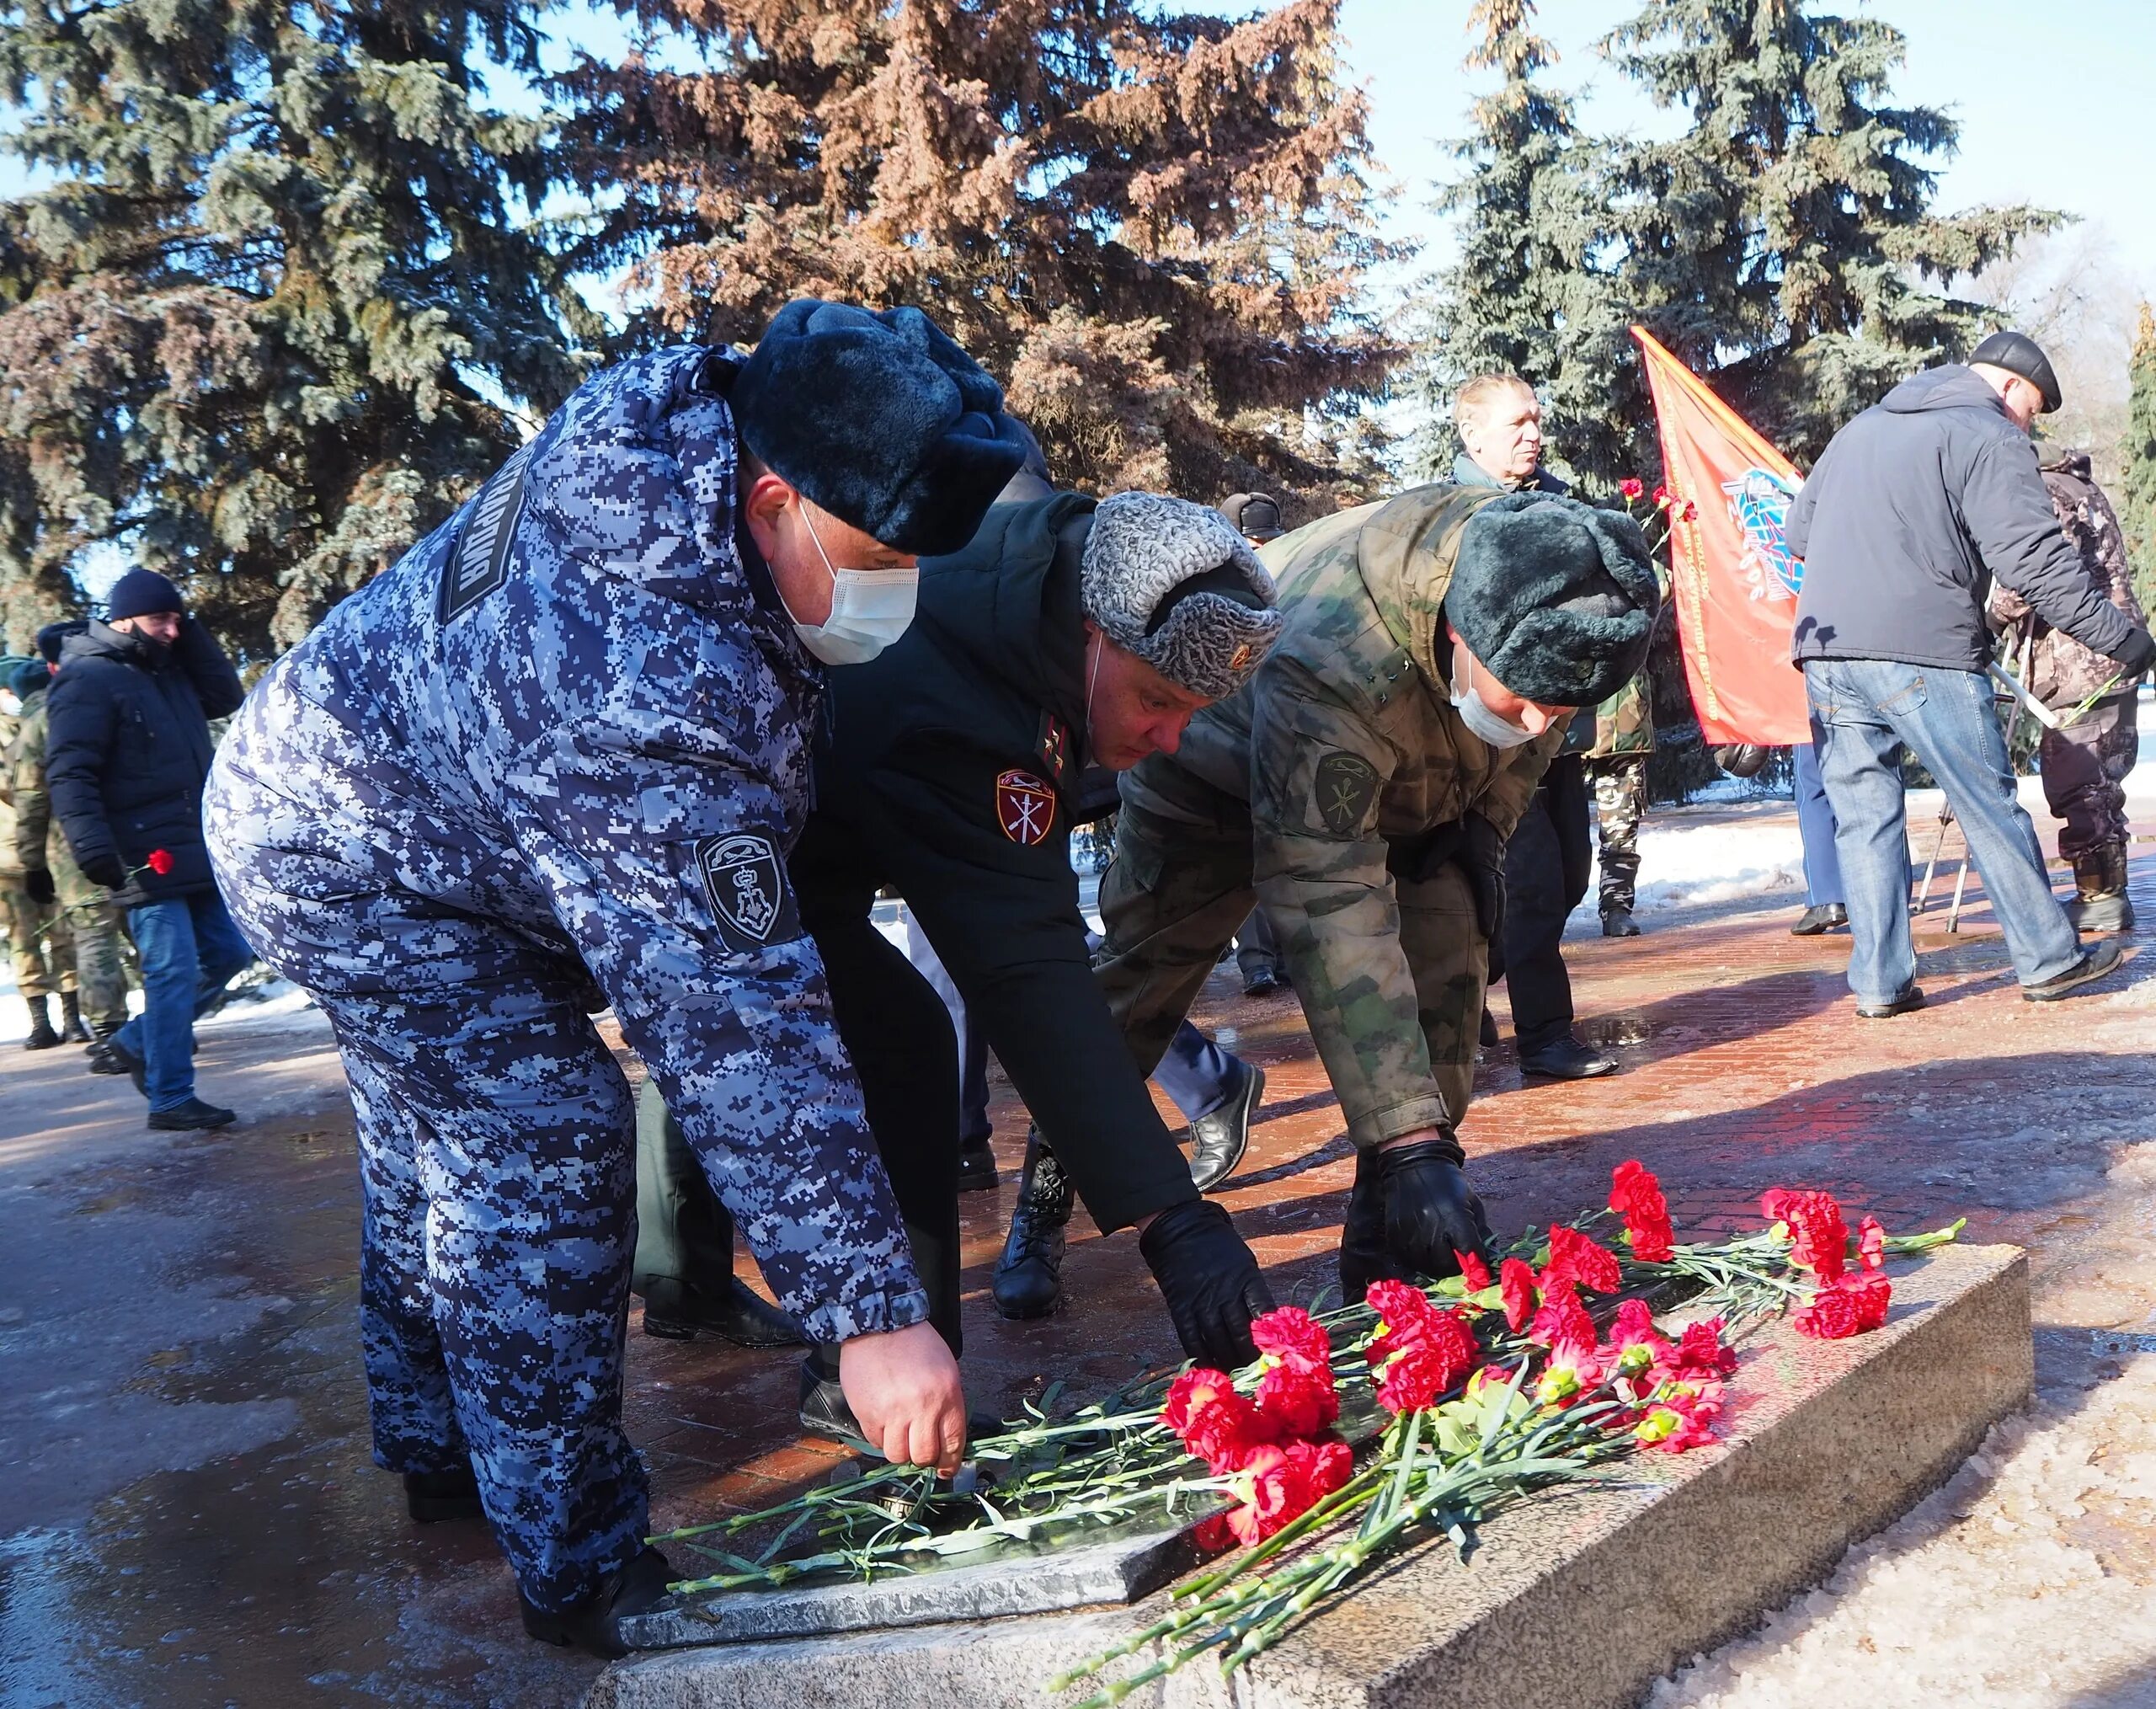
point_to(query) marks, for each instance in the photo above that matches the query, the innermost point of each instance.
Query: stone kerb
(1577, 1601)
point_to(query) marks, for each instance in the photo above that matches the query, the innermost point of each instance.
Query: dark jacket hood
(102, 641)
(1009, 600)
(1951, 388)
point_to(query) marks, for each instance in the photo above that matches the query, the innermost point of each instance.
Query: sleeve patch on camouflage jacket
(479, 559)
(744, 880)
(1342, 788)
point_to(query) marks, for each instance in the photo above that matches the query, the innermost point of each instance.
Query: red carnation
(1214, 1422)
(1661, 498)
(1701, 1353)
(1427, 1366)
(1871, 1243)
(159, 860)
(1516, 1278)
(1633, 1340)
(1815, 1223)
(1561, 1319)
(1574, 1257)
(1295, 1399)
(1690, 513)
(1275, 1487)
(1850, 1306)
(1631, 487)
(1292, 1336)
(1473, 1271)
(1636, 1196)
(1677, 1422)
(1404, 1311)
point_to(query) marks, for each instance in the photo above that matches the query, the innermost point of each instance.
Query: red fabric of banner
(1733, 581)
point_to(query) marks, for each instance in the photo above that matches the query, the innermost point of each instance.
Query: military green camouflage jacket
(1346, 746)
(1622, 724)
(35, 839)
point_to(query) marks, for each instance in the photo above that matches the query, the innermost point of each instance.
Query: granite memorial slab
(1577, 1600)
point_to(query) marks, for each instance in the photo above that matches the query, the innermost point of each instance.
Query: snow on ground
(2028, 1582)
(276, 1005)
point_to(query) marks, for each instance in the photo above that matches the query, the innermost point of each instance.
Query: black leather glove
(106, 869)
(38, 882)
(1481, 858)
(2138, 654)
(1430, 1211)
(1209, 1280)
(1363, 1259)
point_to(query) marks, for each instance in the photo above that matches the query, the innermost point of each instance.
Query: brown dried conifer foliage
(1154, 229)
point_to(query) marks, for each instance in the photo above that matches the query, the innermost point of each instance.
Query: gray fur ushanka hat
(1173, 582)
(1556, 597)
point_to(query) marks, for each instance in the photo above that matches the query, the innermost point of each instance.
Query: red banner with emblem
(1733, 578)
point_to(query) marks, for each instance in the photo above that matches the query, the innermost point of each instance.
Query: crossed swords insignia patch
(1025, 807)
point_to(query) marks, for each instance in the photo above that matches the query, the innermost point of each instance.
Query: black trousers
(1547, 864)
(906, 1052)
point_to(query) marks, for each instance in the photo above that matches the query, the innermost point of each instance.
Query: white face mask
(1468, 702)
(9, 705)
(870, 609)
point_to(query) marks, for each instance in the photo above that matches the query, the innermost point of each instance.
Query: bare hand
(903, 1388)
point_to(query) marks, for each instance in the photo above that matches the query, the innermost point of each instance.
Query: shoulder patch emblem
(1342, 791)
(1025, 807)
(744, 881)
(478, 558)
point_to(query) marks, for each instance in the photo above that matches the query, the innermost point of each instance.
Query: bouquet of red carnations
(1468, 1394)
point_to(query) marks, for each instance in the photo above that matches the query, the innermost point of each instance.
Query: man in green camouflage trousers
(1361, 787)
(87, 924)
(1616, 767)
(37, 942)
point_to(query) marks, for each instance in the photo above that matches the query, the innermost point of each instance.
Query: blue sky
(2054, 100)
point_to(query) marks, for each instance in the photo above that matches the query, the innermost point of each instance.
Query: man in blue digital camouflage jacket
(554, 759)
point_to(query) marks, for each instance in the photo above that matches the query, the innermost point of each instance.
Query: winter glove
(1481, 858)
(38, 882)
(1363, 1256)
(1430, 1211)
(2138, 654)
(106, 869)
(1209, 1280)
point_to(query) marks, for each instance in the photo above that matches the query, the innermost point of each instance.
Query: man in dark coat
(1914, 510)
(1548, 859)
(127, 750)
(1065, 633)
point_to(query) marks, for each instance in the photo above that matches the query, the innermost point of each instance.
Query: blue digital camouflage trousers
(496, 1160)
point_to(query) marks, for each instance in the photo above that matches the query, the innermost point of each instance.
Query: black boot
(1363, 1257)
(1219, 1140)
(1565, 1058)
(42, 1037)
(1821, 918)
(71, 1029)
(1029, 1275)
(1617, 922)
(822, 1408)
(676, 1311)
(976, 1165)
(2100, 902)
(431, 1497)
(594, 1626)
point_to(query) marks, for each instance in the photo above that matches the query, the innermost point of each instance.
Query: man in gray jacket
(1914, 510)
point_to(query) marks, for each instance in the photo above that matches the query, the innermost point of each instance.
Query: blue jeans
(1815, 823)
(189, 948)
(1864, 708)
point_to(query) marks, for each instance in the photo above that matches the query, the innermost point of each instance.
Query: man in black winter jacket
(127, 751)
(1914, 510)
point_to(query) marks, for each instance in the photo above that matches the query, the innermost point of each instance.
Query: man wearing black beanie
(554, 760)
(127, 750)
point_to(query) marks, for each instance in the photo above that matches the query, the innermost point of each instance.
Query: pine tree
(2137, 484)
(1785, 244)
(1153, 227)
(1527, 293)
(279, 309)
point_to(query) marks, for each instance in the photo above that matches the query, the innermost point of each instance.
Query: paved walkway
(189, 1515)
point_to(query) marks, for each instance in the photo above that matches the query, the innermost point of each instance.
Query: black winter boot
(431, 1497)
(2100, 903)
(1029, 1275)
(71, 1029)
(42, 1037)
(594, 1626)
(676, 1311)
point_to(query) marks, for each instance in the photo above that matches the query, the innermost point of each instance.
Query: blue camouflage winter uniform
(562, 744)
